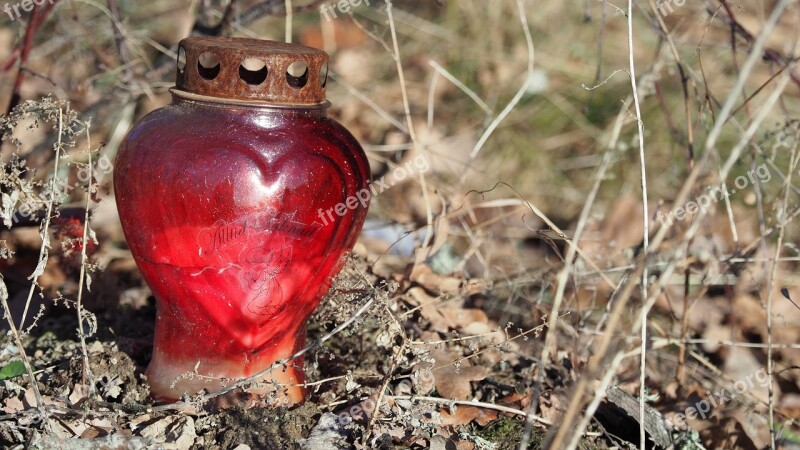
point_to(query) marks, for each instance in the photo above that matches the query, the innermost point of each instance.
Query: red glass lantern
(239, 201)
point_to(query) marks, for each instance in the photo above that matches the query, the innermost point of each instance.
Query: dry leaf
(452, 379)
(465, 414)
(13, 405)
(465, 445)
(434, 282)
(729, 434)
(78, 394)
(30, 400)
(174, 432)
(449, 315)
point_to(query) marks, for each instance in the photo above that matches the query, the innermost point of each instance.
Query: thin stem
(563, 277)
(517, 97)
(464, 88)
(289, 14)
(475, 404)
(646, 220)
(770, 290)
(411, 133)
(86, 367)
(45, 233)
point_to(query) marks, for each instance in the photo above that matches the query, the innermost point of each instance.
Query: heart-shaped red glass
(238, 212)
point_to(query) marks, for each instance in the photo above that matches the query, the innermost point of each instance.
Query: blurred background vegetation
(464, 63)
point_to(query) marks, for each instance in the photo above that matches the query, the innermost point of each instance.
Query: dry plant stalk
(20, 199)
(580, 390)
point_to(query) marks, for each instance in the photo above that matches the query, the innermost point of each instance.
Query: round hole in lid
(297, 74)
(181, 59)
(323, 75)
(253, 71)
(208, 65)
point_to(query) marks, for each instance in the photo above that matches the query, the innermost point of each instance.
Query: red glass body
(231, 215)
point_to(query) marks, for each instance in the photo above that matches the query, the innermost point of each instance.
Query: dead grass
(548, 215)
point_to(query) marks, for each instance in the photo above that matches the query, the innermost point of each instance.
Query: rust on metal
(244, 69)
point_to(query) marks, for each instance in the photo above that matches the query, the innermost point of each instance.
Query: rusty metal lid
(251, 70)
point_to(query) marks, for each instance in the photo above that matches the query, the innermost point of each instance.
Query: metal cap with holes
(251, 70)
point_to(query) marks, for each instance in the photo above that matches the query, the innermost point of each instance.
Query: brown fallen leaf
(92, 432)
(433, 282)
(466, 414)
(78, 394)
(445, 316)
(728, 434)
(173, 432)
(515, 400)
(452, 379)
(621, 229)
(465, 445)
(13, 405)
(30, 400)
